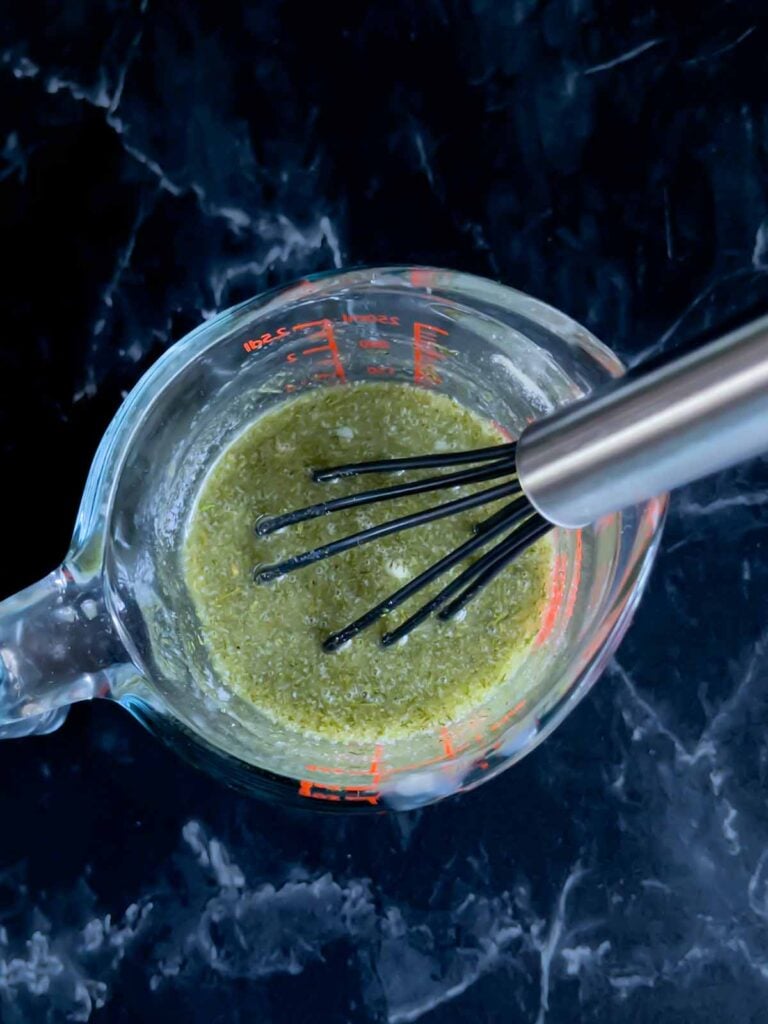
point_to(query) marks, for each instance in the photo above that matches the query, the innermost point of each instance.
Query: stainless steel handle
(652, 433)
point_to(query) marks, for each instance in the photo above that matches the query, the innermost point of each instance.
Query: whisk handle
(652, 432)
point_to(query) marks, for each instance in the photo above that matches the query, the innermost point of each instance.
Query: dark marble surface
(159, 161)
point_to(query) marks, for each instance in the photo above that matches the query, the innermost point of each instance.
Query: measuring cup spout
(58, 645)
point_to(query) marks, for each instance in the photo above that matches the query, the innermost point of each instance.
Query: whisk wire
(433, 461)
(482, 571)
(502, 467)
(511, 515)
(517, 519)
(531, 531)
(266, 573)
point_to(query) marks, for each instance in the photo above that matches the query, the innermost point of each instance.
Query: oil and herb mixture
(265, 640)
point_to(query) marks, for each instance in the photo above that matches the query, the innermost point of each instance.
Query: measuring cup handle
(57, 646)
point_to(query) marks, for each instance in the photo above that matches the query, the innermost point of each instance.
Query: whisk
(651, 431)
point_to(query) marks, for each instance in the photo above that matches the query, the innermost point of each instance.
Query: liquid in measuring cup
(265, 640)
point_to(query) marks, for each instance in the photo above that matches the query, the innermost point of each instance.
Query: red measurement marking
(495, 726)
(309, 789)
(309, 323)
(425, 353)
(380, 371)
(557, 590)
(503, 431)
(445, 739)
(370, 318)
(559, 574)
(421, 278)
(574, 588)
(268, 338)
(330, 346)
(375, 769)
(372, 343)
(327, 791)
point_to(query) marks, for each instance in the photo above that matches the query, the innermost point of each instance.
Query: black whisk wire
(433, 461)
(530, 532)
(501, 467)
(512, 514)
(479, 574)
(266, 573)
(516, 523)
(489, 524)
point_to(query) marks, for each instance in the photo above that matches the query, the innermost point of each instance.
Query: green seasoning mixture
(264, 640)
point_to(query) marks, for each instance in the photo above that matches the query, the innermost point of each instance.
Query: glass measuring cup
(115, 620)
